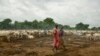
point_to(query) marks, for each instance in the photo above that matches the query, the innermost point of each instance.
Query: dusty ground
(43, 47)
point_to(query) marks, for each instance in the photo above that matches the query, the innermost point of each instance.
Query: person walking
(61, 34)
(56, 38)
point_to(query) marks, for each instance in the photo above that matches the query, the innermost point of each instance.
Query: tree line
(47, 23)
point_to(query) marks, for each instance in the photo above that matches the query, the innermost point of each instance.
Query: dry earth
(43, 47)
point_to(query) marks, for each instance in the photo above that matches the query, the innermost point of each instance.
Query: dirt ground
(43, 47)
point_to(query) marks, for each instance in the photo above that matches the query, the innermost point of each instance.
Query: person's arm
(53, 32)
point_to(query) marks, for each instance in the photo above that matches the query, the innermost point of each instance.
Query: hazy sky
(69, 12)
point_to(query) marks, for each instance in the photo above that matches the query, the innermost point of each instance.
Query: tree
(6, 23)
(86, 26)
(81, 26)
(35, 24)
(0, 25)
(94, 28)
(17, 25)
(67, 27)
(27, 25)
(99, 28)
(49, 21)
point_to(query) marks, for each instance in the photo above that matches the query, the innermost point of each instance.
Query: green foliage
(47, 23)
(95, 28)
(81, 26)
(6, 24)
(98, 27)
(67, 27)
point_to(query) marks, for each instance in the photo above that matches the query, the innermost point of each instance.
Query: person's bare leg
(55, 49)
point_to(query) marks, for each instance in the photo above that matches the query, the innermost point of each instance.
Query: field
(42, 46)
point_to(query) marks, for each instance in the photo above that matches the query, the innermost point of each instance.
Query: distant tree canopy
(5, 24)
(47, 23)
(95, 28)
(81, 26)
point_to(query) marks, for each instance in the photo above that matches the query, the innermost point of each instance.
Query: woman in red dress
(56, 37)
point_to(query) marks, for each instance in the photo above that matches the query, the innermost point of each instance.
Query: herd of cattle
(14, 35)
(11, 35)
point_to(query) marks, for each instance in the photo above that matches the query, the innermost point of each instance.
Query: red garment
(56, 38)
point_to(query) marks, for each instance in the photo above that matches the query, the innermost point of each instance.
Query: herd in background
(13, 36)
(88, 35)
